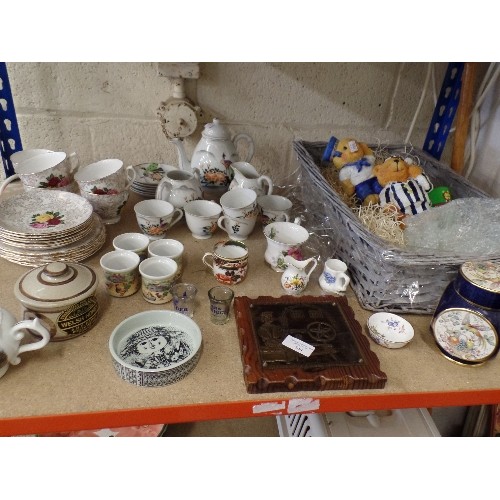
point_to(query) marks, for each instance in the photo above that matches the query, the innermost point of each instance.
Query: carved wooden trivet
(341, 359)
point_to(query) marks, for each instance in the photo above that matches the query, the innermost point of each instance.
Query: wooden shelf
(71, 385)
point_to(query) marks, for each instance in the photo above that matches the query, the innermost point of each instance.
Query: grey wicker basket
(384, 277)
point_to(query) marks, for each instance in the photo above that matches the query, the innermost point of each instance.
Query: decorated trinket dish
(390, 330)
(155, 348)
(465, 336)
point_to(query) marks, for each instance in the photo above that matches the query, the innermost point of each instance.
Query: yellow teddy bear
(403, 185)
(354, 161)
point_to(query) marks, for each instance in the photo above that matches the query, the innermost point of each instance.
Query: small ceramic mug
(334, 277)
(158, 278)
(229, 261)
(121, 272)
(135, 242)
(167, 247)
(156, 217)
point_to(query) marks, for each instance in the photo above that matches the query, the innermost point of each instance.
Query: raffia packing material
(384, 277)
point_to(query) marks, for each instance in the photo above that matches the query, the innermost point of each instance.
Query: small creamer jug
(295, 278)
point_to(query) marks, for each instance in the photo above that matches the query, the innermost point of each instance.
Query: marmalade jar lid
(55, 285)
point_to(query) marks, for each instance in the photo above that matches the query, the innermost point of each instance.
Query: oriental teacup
(156, 217)
(229, 261)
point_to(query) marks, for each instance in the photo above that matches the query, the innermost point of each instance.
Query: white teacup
(158, 277)
(201, 218)
(26, 154)
(11, 335)
(156, 217)
(274, 208)
(134, 242)
(239, 203)
(334, 277)
(105, 177)
(237, 229)
(52, 170)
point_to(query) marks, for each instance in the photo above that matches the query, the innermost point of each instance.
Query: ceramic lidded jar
(466, 321)
(62, 295)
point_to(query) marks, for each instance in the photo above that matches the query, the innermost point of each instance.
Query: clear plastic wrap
(384, 276)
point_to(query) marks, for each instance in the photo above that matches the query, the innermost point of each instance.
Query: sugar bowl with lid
(62, 295)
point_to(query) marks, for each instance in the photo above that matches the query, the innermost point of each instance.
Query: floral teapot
(213, 155)
(179, 187)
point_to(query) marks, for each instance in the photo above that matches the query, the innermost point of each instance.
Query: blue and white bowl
(155, 348)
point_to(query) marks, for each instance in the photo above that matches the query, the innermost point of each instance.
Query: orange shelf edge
(239, 409)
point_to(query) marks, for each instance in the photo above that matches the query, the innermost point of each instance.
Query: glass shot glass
(220, 304)
(184, 298)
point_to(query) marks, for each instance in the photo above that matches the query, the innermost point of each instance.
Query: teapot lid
(55, 285)
(216, 130)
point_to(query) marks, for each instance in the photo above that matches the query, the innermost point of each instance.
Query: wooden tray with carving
(341, 359)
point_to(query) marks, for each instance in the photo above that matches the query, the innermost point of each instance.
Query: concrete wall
(109, 110)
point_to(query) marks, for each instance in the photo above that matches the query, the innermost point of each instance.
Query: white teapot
(11, 335)
(214, 154)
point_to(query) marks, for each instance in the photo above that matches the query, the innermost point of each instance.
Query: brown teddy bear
(354, 162)
(403, 185)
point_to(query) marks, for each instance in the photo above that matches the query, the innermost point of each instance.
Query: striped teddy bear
(403, 185)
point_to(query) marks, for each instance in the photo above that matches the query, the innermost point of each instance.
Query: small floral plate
(151, 173)
(390, 330)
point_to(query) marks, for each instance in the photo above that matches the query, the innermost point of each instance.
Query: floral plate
(42, 211)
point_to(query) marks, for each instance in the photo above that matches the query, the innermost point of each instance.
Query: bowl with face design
(155, 348)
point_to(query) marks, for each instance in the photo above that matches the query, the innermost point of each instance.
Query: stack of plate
(44, 226)
(148, 176)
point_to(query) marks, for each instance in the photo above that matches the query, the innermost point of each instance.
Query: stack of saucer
(44, 226)
(148, 176)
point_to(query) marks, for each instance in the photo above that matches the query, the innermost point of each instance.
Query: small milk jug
(295, 277)
(334, 277)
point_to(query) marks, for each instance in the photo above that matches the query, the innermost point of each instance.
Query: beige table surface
(72, 385)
